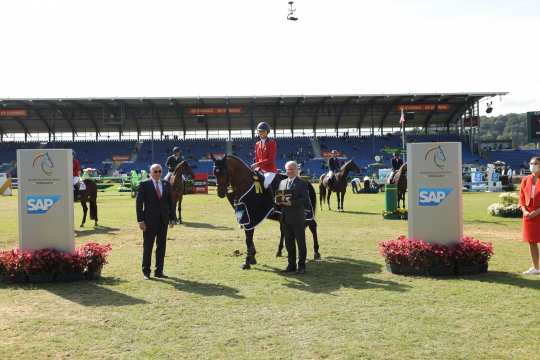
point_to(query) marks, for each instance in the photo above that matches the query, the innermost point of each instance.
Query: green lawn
(346, 307)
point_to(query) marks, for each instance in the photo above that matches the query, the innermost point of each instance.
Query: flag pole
(402, 122)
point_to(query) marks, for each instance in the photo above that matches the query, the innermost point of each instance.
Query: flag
(402, 118)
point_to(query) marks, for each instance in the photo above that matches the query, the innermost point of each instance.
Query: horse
(233, 172)
(178, 188)
(89, 195)
(339, 185)
(400, 178)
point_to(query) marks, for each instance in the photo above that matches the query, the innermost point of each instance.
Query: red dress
(531, 227)
(265, 155)
(76, 167)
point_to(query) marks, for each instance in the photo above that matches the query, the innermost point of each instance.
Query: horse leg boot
(250, 256)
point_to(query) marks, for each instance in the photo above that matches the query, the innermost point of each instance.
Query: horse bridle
(220, 166)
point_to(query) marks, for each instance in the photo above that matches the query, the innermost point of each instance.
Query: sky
(162, 48)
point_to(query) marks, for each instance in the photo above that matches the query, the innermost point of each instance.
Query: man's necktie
(157, 191)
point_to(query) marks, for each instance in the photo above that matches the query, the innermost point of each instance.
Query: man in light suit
(154, 211)
(293, 197)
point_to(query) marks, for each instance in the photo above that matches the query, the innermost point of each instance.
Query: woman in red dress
(265, 154)
(529, 201)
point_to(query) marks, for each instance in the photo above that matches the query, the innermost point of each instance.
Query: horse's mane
(342, 168)
(234, 157)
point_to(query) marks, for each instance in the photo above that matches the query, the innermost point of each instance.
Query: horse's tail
(312, 197)
(93, 210)
(322, 193)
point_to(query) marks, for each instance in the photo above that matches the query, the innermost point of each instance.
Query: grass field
(346, 307)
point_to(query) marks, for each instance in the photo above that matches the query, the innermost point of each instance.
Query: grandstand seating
(140, 155)
(517, 159)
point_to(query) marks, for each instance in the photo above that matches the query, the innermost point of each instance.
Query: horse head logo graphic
(44, 162)
(438, 155)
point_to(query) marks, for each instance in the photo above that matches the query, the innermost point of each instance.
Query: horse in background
(232, 172)
(89, 195)
(338, 185)
(178, 188)
(400, 179)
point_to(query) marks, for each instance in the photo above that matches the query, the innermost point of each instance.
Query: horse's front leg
(342, 200)
(179, 220)
(85, 210)
(338, 197)
(279, 252)
(250, 252)
(328, 198)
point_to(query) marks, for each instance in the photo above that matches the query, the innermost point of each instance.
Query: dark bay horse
(89, 195)
(339, 185)
(400, 178)
(232, 172)
(178, 187)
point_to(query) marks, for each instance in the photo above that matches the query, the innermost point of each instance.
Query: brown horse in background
(178, 188)
(400, 178)
(89, 195)
(338, 185)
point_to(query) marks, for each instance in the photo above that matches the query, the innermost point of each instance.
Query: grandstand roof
(232, 113)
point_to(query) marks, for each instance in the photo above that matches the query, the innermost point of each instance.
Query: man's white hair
(292, 162)
(155, 166)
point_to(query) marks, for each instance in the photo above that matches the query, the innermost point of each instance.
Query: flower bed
(507, 207)
(413, 257)
(398, 214)
(47, 265)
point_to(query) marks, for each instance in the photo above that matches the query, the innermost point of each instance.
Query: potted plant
(71, 267)
(41, 265)
(472, 256)
(95, 256)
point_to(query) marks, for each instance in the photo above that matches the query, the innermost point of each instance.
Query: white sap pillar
(434, 186)
(45, 199)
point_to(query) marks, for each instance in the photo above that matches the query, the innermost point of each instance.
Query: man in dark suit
(294, 198)
(154, 211)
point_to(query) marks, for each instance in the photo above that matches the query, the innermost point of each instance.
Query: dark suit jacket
(396, 164)
(294, 214)
(153, 211)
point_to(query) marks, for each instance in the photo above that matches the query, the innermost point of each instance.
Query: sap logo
(40, 204)
(432, 196)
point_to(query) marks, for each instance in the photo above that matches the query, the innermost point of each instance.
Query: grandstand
(124, 134)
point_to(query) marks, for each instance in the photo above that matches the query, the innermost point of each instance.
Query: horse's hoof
(317, 256)
(252, 261)
(279, 254)
(82, 225)
(245, 266)
(179, 222)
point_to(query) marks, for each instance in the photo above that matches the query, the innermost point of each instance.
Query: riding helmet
(175, 149)
(263, 126)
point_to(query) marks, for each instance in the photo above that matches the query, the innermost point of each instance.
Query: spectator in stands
(172, 161)
(529, 202)
(334, 165)
(265, 155)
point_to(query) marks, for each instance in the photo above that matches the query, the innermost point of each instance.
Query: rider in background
(334, 165)
(397, 162)
(78, 185)
(265, 155)
(172, 161)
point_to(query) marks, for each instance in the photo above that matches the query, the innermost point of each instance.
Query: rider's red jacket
(265, 155)
(76, 167)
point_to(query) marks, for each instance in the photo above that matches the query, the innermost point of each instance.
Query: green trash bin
(390, 197)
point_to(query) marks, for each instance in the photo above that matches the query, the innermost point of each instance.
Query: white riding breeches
(78, 180)
(268, 177)
(169, 174)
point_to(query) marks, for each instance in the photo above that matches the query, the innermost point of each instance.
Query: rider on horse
(265, 157)
(397, 162)
(173, 161)
(78, 184)
(334, 166)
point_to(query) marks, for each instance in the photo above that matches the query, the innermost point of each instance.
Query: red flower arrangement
(17, 265)
(423, 257)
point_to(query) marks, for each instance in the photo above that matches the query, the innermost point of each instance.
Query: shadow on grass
(86, 293)
(360, 212)
(506, 278)
(96, 230)
(334, 273)
(486, 222)
(204, 289)
(198, 225)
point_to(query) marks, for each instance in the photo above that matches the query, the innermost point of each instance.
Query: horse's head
(221, 172)
(184, 168)
(45, 162)
(351, 166)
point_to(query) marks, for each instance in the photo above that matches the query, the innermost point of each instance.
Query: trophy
(283, 197)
